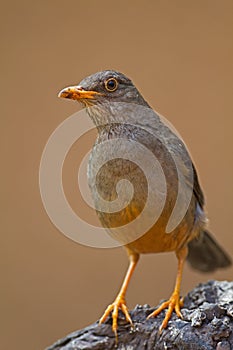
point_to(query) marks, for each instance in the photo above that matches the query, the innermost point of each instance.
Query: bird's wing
(197, 188)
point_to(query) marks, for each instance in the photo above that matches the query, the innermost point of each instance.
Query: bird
(120, 113)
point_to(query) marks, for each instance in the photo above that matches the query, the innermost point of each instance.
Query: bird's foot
(174, 303)
(113, 308)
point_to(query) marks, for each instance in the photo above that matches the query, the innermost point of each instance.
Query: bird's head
(103, 87)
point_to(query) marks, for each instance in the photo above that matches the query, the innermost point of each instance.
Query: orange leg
(119, 302)
(174, 303)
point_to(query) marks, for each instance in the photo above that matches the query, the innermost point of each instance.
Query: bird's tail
(206, 255)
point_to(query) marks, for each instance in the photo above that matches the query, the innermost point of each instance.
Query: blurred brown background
(180, 56)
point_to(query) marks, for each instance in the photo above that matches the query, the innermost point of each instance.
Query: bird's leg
(119, 302)
(175, 302)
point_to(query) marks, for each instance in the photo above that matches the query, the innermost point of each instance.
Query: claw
(174, 303)
(113, 308)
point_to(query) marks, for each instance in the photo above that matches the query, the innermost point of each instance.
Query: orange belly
(156, 239)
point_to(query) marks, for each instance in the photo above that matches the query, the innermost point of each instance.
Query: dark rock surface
(207, 324)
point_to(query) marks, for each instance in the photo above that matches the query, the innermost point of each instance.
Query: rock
(207, 324)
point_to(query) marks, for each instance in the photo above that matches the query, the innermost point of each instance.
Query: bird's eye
(111, 84)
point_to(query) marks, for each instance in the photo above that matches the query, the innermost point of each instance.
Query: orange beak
(77, 93)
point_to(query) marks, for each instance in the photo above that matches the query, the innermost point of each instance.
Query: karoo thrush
(119, 112)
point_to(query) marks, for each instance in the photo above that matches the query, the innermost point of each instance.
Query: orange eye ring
(111, 84)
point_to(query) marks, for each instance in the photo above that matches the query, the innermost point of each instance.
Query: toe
(159, 309)
(106, 313)
(126, 313)
(114, 318)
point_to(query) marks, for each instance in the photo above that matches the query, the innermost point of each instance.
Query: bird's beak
(77, 93)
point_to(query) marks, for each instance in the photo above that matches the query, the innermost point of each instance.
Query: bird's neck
(120, 113)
